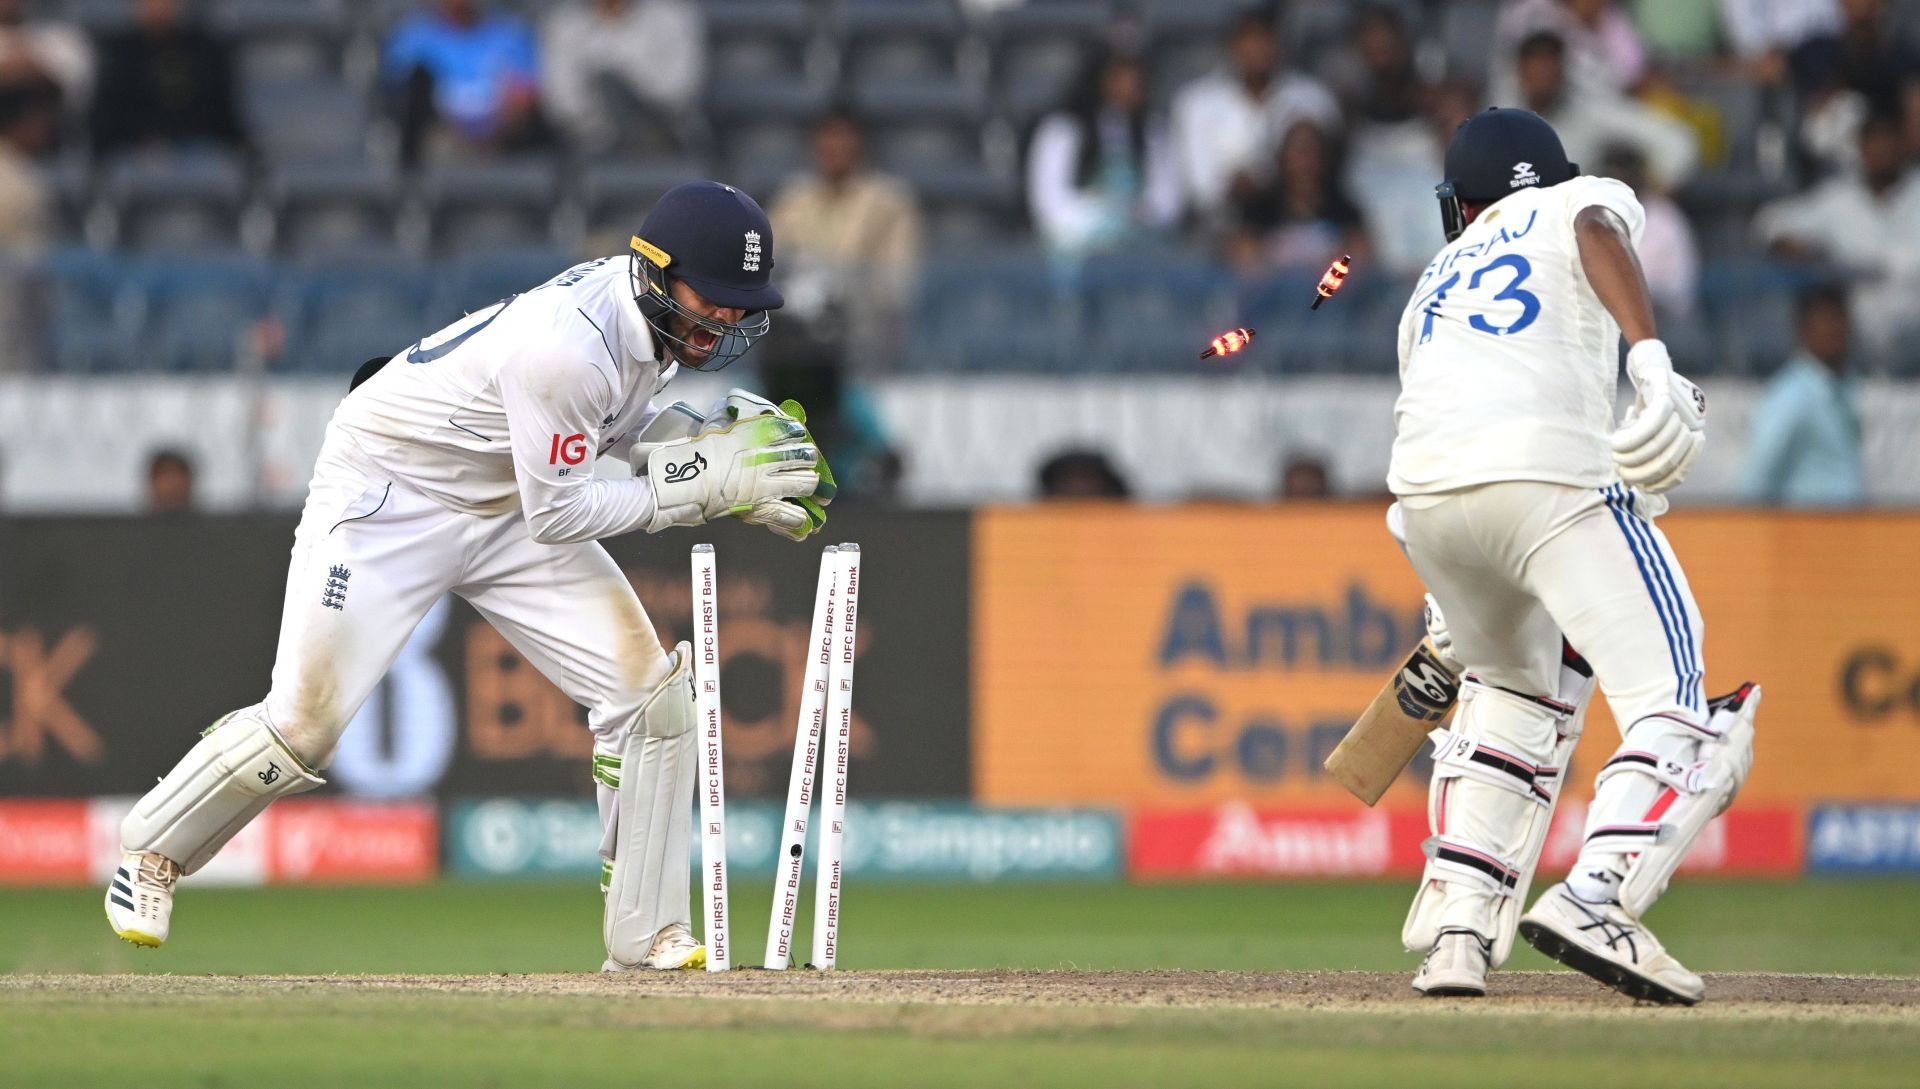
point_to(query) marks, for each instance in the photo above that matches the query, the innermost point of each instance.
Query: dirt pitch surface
(1738, 995)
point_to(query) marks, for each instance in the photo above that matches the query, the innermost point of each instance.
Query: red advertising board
(1236, 840)
(329, 842)
(73, 841)
(43, 842)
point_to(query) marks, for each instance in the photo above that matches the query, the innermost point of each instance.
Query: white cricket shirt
(1508, 362)
(509, 406)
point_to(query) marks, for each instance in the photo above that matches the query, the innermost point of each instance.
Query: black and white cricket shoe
(1603, 941)
(140, 897)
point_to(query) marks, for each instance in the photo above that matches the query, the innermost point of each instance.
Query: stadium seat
(92, 313)
(1038, 50)
(198, 311)
(307, 120)
(1000, 313)
(750, 40)
(918, 124)
(481, 206)
(98, 16)
(1749, 305)
(615, 196)
(281, 40)
(1466, 33)
(1150, 315)
(900, 39)
(178, 203)
(968, 209)
(763, 128)
(469, 284)
(334, 209)
(70, 181)
(339, 314)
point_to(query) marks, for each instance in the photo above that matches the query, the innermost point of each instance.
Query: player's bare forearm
(1613, 270)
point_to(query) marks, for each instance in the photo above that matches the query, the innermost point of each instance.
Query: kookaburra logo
(750, 260)
(686, 470)
(1523, 174)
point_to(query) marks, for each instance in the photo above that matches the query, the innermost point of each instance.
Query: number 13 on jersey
(1513, 269)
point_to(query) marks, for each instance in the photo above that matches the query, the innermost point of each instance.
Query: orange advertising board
(1136, 655)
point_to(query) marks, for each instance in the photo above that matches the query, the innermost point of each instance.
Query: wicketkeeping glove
(728, 466)
(1665, 430)
(798, 517)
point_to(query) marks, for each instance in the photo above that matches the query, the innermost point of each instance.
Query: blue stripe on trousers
(1659, 606)
(1690, 651)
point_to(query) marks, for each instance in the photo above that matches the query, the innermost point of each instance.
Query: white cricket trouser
(1515, 565)
(371, 556)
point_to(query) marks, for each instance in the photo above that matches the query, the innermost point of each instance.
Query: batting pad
(237, 768)
(1497, 775)
(1656, 795)
(649, 887)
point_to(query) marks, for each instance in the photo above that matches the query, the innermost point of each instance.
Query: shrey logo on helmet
(1523, 174)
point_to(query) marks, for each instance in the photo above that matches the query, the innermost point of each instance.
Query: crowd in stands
(992, 184)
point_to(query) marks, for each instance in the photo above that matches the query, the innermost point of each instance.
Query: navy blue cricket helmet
(1494, 153)
(716, 240)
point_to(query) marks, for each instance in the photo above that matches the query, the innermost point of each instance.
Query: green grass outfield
(203, 1034)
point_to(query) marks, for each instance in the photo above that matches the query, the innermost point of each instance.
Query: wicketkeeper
(467, 464)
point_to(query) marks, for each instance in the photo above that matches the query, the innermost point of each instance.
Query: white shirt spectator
(1756, 27)
(1391, 172)
(61, 50)
(1604, 55)
(1591, 122)
(1220, 129)
(1075, 217)
(1668, 256)
(1874, 237)
(656, 48)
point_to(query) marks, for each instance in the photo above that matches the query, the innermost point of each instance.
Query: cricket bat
(1387, 736)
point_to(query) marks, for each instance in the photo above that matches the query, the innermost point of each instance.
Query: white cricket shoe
(140, 897)
(673, 949)
(1456, 967)
(1606, 943)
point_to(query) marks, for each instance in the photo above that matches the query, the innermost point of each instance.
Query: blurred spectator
(466, 81)
(1867, 223)
(27, 123)
(1763, 33)
(33, 51)
(1399, 136)
(1081, 474)
(624, 73)
(1101, 173)
(169, 482)
(26, 129)
(1302, 218)
(1304, 476)
(1384, 86)
(1590, 120)
(1668, 254)
(1227, 125)
(1863, 67)
(849, 241)
(1603, 48)
(166, 83)
(1805, 445)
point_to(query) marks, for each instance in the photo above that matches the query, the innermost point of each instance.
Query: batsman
(1529, 514)
(466, 464)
